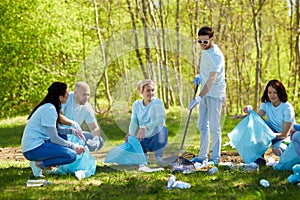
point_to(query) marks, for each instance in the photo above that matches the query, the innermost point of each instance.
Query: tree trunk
(258, 42)
(103, 57)
(297, 50)
(144, 19)
(136, 38)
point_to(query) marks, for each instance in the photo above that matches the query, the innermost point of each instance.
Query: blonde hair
(142, 83)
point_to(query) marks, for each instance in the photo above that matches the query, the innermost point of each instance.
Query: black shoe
(261, 161)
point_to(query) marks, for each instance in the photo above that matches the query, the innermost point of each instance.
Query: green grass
(110, 183)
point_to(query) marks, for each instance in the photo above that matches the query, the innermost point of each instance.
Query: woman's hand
(126, 137)
(247, 109)
(79, 149)
(141, 134)
(292, 133)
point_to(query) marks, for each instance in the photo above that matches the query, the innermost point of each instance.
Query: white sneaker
(37, 172)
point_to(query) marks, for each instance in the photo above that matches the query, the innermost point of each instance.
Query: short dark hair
(206, 31)
(280, 89)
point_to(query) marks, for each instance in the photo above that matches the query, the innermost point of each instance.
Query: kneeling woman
(41, 143)
(148, 121)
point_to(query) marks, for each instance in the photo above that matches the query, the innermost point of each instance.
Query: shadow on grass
(11, 136)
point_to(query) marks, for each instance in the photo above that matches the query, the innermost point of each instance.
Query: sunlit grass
(127, 183)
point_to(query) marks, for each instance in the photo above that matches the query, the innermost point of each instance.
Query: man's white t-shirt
(78, 113)
(212, 60)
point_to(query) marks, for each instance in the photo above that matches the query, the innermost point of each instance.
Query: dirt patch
(11, 153)
(15, 154)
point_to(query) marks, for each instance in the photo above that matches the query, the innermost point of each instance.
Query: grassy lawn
(113, 183)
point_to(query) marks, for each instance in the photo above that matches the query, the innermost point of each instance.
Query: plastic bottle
(171, 182)
(181, 185)
(212, 170)
(250, 166)
(264, 183)
(37, 183)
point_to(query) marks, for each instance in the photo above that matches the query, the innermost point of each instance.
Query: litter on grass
(147, 169)
(172, 183)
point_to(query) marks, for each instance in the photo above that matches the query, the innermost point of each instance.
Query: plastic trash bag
(287, 159)
(84, 162)
(251, 137)
(128, 153)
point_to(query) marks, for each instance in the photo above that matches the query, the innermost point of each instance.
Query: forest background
(113, 44)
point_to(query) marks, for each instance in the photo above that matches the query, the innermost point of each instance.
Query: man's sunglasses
(203, 41)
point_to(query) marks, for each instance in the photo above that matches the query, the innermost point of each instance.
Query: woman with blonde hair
(148, 121)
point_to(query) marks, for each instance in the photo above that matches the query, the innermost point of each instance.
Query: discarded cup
(264, 183)
(212, 170)
(37, 183)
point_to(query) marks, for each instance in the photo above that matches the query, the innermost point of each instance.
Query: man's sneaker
(37, 172)
(196, 159)
(215, 162)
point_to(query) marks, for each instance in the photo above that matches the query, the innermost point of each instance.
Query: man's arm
(95, 130)
(64, 120)
(209, 83)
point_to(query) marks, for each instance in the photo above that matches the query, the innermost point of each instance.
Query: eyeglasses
(203, 41)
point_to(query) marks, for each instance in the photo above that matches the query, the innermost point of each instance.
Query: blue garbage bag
(128, 153)
(287, 159)
(85, 161)
(251, 137)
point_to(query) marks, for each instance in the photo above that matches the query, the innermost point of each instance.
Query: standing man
(211, 97)
(77, 110)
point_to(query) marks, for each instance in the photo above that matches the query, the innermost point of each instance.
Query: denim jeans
(157, 143)
(209, 121)
(51, 154)
(296, 142)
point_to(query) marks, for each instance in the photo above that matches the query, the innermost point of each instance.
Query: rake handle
(187, 123)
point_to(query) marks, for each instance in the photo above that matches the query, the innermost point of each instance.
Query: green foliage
(41, 42)
(44, 41)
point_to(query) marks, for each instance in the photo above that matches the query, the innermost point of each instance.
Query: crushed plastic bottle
(171, 182)
(181, 185)
(246, 167)
(37, 183)
(213, 170)
(264, 183)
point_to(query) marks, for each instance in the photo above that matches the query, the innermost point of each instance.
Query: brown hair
(280, 89)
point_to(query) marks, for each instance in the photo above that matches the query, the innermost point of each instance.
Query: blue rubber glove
(194, 102)
(197, 79)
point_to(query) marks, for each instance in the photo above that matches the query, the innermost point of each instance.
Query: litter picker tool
(180, 159)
